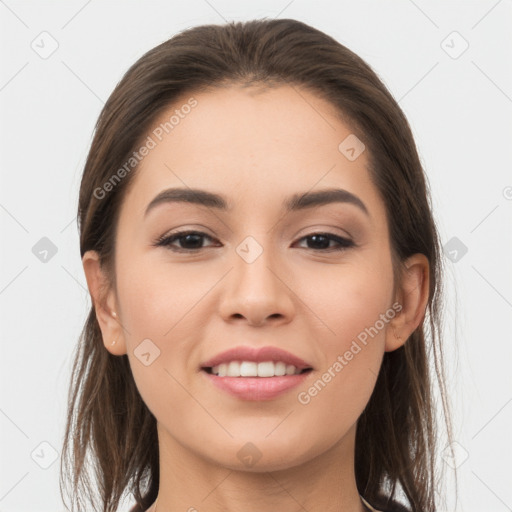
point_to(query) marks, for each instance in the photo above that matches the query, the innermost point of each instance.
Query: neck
(190, 483)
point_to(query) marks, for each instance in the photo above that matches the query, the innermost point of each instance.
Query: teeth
(252, 369)
(233, 369)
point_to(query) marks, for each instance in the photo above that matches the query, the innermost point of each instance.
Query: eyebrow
(295, 202)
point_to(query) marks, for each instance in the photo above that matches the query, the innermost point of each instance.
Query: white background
(460, 110)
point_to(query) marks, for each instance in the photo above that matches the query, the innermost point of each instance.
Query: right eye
(190, 241)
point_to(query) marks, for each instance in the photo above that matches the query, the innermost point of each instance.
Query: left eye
(323, 240)
(191, 241)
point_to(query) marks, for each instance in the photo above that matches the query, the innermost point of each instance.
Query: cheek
(350, 301)
(155, 297)
(352, 308)
(351, 349)
(158, 312)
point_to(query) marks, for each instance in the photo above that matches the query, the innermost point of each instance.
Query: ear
(105, 304)
(412, 296)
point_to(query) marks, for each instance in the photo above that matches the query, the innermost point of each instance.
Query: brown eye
(192, 241)
(321, 241)
(189, 241)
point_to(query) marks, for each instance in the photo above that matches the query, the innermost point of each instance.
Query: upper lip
(257, 355)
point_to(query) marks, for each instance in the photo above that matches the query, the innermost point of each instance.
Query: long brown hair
(108, 424)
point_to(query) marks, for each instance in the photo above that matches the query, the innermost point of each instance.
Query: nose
(256, 291)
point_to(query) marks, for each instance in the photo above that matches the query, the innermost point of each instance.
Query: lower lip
(257, 388)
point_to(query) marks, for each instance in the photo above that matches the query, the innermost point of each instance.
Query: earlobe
(412, 295)
(104, 302)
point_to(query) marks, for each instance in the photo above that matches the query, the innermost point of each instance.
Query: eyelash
(166, 241)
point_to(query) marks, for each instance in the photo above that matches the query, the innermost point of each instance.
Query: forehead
(250, 143)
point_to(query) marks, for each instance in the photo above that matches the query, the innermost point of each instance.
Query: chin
(258, 454)
(265, 464)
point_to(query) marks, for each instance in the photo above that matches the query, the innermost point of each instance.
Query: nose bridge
(256, 291)
(253, 263)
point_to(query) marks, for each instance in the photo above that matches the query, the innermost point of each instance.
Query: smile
(256, 388)
(253, 369)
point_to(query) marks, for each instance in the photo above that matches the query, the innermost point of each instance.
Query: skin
(257, 147)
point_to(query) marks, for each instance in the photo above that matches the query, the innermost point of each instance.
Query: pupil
(197, 239)
(325, 240)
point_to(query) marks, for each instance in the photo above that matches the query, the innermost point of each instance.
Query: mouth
(255, 373)
(255, 387)
(264, 369)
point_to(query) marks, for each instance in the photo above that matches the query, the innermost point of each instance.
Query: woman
(258, 242)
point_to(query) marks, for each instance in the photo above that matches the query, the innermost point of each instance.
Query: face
(314, 280)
